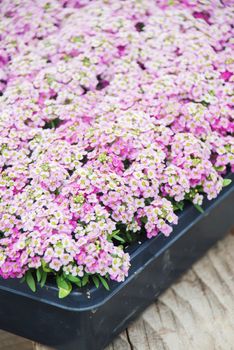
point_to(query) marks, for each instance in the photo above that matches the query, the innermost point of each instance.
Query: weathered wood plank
(197, 312)
(36, 346)
(12, 342)
(120, 343)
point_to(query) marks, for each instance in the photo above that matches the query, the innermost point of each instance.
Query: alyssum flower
(112, 113)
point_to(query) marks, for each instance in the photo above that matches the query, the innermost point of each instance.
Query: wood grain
(197, 312)
(36, 346)
(12, 342)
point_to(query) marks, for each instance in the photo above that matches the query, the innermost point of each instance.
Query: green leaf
(95, 281)
(64, 286)
(196, 161)
(115, 236)
(86, 61)
(144, 219)
(77, 39)
(85, 280)
(129, 237)
(104, 283)
(149, 200)
(73, 279)
(45, 266)
(199, 208)
(38, 273)
(228, 148)
(63, 293)
(61, 282)
(30, 281)
(178, 205)
(118, 238)
(205, 104)
(43, 278)
(226, 182)
(220, 168)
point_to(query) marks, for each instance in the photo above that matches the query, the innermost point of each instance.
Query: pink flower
(55, 264)
(97, 134)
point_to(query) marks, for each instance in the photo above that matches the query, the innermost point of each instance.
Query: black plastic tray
(90, 319)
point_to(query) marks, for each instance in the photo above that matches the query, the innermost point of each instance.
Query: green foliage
(104, 282)
(199, 208)
(220, 168)
(144, 219)
(178, 205)
(30, 280)
(115, 235)
(226, 182)
(205, 104)
(95, 281)
(74, 279)
(52, 124)
(64, 286)
(38, 274)
(85, 280)
(45, 267)
(43, 278)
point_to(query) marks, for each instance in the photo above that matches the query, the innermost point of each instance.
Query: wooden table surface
(197, 312)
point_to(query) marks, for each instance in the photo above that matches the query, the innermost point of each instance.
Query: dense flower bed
(112, 114)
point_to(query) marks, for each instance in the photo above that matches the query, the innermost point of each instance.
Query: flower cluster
(111, 114)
